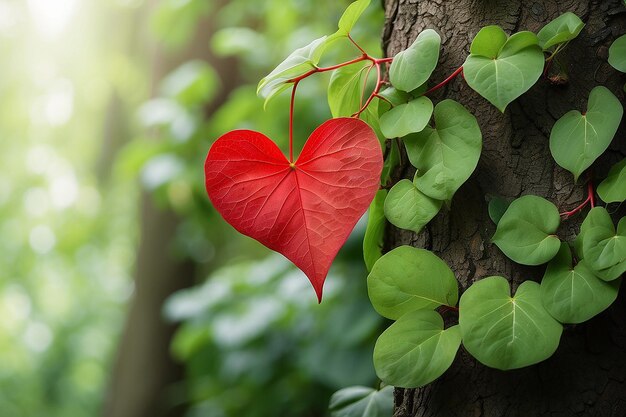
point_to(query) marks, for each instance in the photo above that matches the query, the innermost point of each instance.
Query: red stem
(356, 44)
(374, 93)
(291, 105)
(367, 75)
(589, 200)
(446, 81)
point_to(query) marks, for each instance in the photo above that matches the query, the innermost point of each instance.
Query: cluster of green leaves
(306, 58)
(445, 153)
(501, 330)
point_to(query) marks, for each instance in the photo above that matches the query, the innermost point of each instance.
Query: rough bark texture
(586, 376)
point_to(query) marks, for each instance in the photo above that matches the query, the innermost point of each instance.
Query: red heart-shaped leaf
(303, 210)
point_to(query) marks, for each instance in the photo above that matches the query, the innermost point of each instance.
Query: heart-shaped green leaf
(501, 69)
(507, 332)
(415, 350)
(413, 66)
(577, 140)
(351, 15)
(525, 232)
(562, 29)
(613, 188)
(373, 239)
(298, 63)
(604, 247)
(344, 90)
(574, 294)
(445, 156)
(408, 208)
(407, 279)
(406, 118)
(362, 402)
(617, 54)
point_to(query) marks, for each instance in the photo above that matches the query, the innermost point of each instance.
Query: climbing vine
(382, 110)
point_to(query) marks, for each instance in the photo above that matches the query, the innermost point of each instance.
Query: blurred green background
(122, 292)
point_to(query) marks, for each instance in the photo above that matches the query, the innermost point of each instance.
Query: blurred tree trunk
(586, 375)
(144, 377)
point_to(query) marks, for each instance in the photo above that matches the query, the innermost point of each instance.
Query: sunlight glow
(51, 16)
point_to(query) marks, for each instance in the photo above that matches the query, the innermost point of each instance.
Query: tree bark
(586, 376)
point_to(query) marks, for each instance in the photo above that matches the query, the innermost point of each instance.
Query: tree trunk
(586, 375)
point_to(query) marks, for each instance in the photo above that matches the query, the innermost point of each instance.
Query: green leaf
(507, 332)
(351, 15)
(503, 75)
(395, 96)
(577, 140)
(407, 279)
(413, 66)
(415, 350)
(597, 217)
(613, 188)
(488, 41)
(391, 161)
(298, 63)
(344, 90)
(574, 294)
(407, 118)
(372, 118)
(526, 231)
(445, 156)
(497, 208)
(562, 29)
(362, 402)
(604, 247)
(617, 54)
(373, 239)
(407, 208)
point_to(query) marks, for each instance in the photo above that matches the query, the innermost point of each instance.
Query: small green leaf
(407, 118)
(373, 239)
(351, 15)
(344, 90)
(604, 247)
(395, 96)
(415, 350)
(507, 332)
(574, 294)
(298, 63)
(613, 188)
(413, 66)
(617, 54)
(525, 232)
(497, 208)
(362, 402)
(407, 208)
(562, 29)
(597, 217)
(391, 161)
(445, 156)
(577, 140)
(488, 41)
(407, 279)
(502, 71)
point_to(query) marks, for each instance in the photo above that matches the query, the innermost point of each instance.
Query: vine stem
(291, 106)
(589, 200)
(446, 81)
